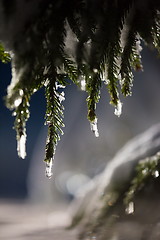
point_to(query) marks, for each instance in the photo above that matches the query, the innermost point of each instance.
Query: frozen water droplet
(14, 114)
(156, 174)
(62, 97)
(21, 92)
(95, 70)
(17, 102)
(83, 85)
(46, 82)
(94, 127)
(21, 146)
(130, 208)
(57, 85)
(82, 82)
(118, 110)
(34, 90)
(49, 169)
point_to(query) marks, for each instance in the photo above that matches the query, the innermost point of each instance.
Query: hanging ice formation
(57, 42)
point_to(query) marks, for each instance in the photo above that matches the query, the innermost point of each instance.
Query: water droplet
(94, 127)
(156, 174)
(21, 146)
(118, 110)
(17, 102)
(14, 114)
(62, 96)
(49, 168)
(21, 92)
(83, 85)
(130, 208)
(95, 70)
(82, 82)
(46, 82)
(34, 90)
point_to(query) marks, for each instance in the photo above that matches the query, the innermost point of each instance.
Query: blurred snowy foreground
(22, 221)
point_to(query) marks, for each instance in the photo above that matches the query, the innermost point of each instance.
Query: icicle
(130, 208)
(118, 110)
(49, 168)
(82, 82)
(94, 127)
(21, 146)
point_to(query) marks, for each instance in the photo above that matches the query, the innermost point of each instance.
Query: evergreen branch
(70, 69)
(22, 114)
(146, 170)
(93, 84)
(127, 59)
(54, 120)
(99, 27)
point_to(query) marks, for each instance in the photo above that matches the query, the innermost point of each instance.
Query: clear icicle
(21, 146)
(94, 127)
(118, 110)
(49, 168)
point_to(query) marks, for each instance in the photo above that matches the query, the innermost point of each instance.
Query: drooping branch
(88, 42)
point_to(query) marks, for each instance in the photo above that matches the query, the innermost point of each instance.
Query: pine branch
(108, 35)
(54, 120)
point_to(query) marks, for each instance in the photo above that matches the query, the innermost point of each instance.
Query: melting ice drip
(21, 146)
(94, 127)
(49, 169)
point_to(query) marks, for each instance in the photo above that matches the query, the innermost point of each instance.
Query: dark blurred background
(79, 156)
